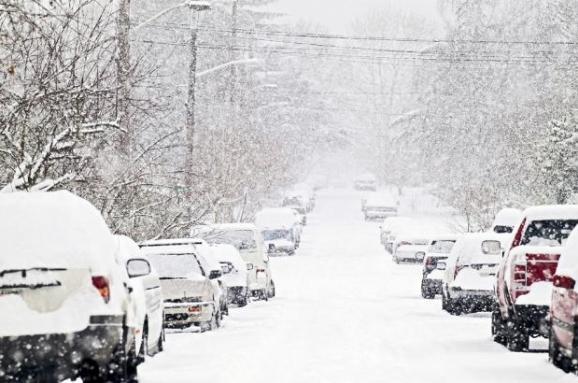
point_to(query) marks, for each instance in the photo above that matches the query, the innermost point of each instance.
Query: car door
(154, 303)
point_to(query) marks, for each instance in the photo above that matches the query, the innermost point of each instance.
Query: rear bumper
(433, 285)
(535, 319)
(183, 315)
(236, 294)
(62, 354)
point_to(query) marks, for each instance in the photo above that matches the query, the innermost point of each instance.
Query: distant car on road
(366, 182)
(524, 286)
(280, 230)
(246, 238)
(438, 251)
(470, 275)
(379, 207)
(410, 248)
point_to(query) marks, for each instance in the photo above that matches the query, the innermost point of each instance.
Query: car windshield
(503, 229)
(175, 266)
(241, 239)
(442, 247)
(548, 232)
(271, 235)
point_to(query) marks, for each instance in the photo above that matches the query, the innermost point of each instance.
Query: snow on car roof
(469, 246)
(228, 253)
(54, 230)
(508, 217)
(275, 218)
(546, 212)
(167, 246)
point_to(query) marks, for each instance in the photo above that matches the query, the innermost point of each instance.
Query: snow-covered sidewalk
(345, 313)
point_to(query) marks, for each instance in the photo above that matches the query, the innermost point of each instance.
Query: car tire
(396, 260)
(518, 340)
(499, 328)
(242, 301)
(271, 292)
(557, 358)
(426, 293)
(161, 341)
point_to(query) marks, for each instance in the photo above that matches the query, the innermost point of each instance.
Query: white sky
(337, 15)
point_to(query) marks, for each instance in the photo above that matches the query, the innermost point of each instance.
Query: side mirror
(564, 282)
(227, 267)
(441, 266)
(138, 268)
(249, 266)
(215, 274)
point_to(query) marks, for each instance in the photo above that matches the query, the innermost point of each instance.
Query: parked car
(470, 273)
(248, 240)
(366, 182)
(438, 251)
(526, 273)
(234, 274)
(279, 230)
(299, 205)
(66, 309)
(506, 220)
(190, 298)
(146, 293)
(410, 248)
(563, 347)
(389, 228)
(379, 207)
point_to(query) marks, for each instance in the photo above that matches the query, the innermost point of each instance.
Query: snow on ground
(346, 313)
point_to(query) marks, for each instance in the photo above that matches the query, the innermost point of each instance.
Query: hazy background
(337, 15)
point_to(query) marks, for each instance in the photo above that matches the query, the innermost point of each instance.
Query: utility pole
(191, 101)
(123, 75)
(233, 84)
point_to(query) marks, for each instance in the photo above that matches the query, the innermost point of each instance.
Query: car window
(175, 265)
(441, 247)
(271, 235)
(548, 232)
(241, 239)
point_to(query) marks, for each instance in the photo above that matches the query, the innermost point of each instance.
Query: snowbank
(540, 295)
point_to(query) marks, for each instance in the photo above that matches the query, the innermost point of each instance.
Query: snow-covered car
(248, 240)
(389, 228)
(366, 182)
(279, 229)
(410, 248)
(506, 220)
(438, 251)
(189, 295)
(297, 203)
(379, 207)
(470, 275)
(235, 274)
(563, 347)
(524, 286)
(146, 296)
(64, 298)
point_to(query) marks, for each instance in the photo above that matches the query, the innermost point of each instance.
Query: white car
(248, 240)
(190, 297)
(146, 293)
(506, 220)
(410, 248)
(235, 274)
(470, 273)
(389, 228)
(62, 287)
(280, 229)
(379, 207)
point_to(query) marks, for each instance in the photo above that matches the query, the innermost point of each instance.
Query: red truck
(524, 280)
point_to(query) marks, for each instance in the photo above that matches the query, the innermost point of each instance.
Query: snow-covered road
(345, 313)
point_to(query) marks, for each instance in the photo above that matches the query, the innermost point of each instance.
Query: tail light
(103, 286)
(564, 282)
(430, 264)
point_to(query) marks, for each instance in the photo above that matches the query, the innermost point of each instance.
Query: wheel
(396, 260)
(161, 341)
(242, 301)
(426, 293)
(557, 358)
(271, 292)
(498, 327)
(518, 339)
(144, 346)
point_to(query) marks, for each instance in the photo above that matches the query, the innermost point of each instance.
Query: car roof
(546, 212)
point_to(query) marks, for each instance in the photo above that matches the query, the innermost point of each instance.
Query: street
(344, 312)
